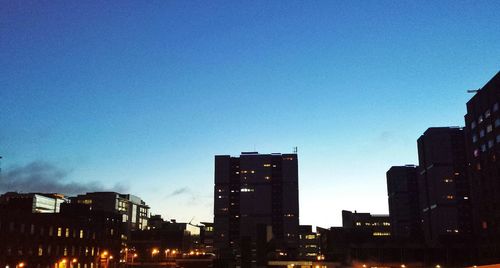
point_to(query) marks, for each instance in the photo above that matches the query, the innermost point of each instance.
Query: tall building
(256, 207)
(133, 210)
(483, 143)
(443, 186)
(404, 212)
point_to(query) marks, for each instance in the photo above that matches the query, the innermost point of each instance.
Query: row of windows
(50, 231)
(485, 146)
(488, 129)
(55, 250)
(486, 114)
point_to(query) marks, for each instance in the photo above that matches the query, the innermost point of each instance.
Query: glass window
(487, 114)
(474, 138)
(495, 107)
(497, 122)
(481, 133)
(483, 148)
(490, 143)
(473, 125)
(489, 128)
(476, 151)
(480, 119)
(498, 138)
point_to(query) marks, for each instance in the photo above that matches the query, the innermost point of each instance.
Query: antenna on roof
(473, 90)
(295, 149)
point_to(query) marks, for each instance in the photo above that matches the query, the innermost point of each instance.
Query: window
(59, 231)
(498, 138)
(483, 148)
(495, 107)
(497, 122)
(480, 119)
(67, 232)
(481, 133)
(487, 114)
(476, 151)
(489, 128)
(473, 125)
(474, 138)
(81, 234)
(490, 143)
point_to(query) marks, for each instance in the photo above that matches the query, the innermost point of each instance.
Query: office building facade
(256, 207)
(482, 123)
(444, 193)
(133, 210)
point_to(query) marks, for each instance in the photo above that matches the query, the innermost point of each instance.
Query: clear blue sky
(143, 94)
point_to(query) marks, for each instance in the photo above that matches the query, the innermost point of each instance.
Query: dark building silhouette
(134, 210)
(256, 207)
(443, 186)
(165, 240)
(483, 143)
(308, 243)
(36, 202)
(402, 190)
(77, 236)
(367, 226)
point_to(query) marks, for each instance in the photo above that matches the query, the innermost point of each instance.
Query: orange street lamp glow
(21, 264)
(74, 260)
(135, 255)
(110, 257)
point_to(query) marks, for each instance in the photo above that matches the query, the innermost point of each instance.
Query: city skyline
(144, 105)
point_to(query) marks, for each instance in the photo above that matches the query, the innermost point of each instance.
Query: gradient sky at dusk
(141, 95)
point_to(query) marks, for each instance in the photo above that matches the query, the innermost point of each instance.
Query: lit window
(252, 171)
(40, 250)
(67, 232)
(489, 128)
(476, 151)
(483, 148)
(480, 119)
(81, 233)
(246, 190)
(450, 197)
(487, 114)
(267, 165)
(59, 231)
(481, 133)
(358, 223)
(448, 180)
(466, 197)
(267, 177)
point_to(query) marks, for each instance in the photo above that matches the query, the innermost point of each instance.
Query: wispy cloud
(179, 191)
(40, 176)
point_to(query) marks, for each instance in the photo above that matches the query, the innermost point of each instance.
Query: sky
(138, 96)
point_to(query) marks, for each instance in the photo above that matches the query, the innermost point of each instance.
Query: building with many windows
(256, 207)
(482, 123)
(36, 202)
(133, 210)
(76, 236)
(443, 186)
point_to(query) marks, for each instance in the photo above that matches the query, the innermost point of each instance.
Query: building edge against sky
(256, 203)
